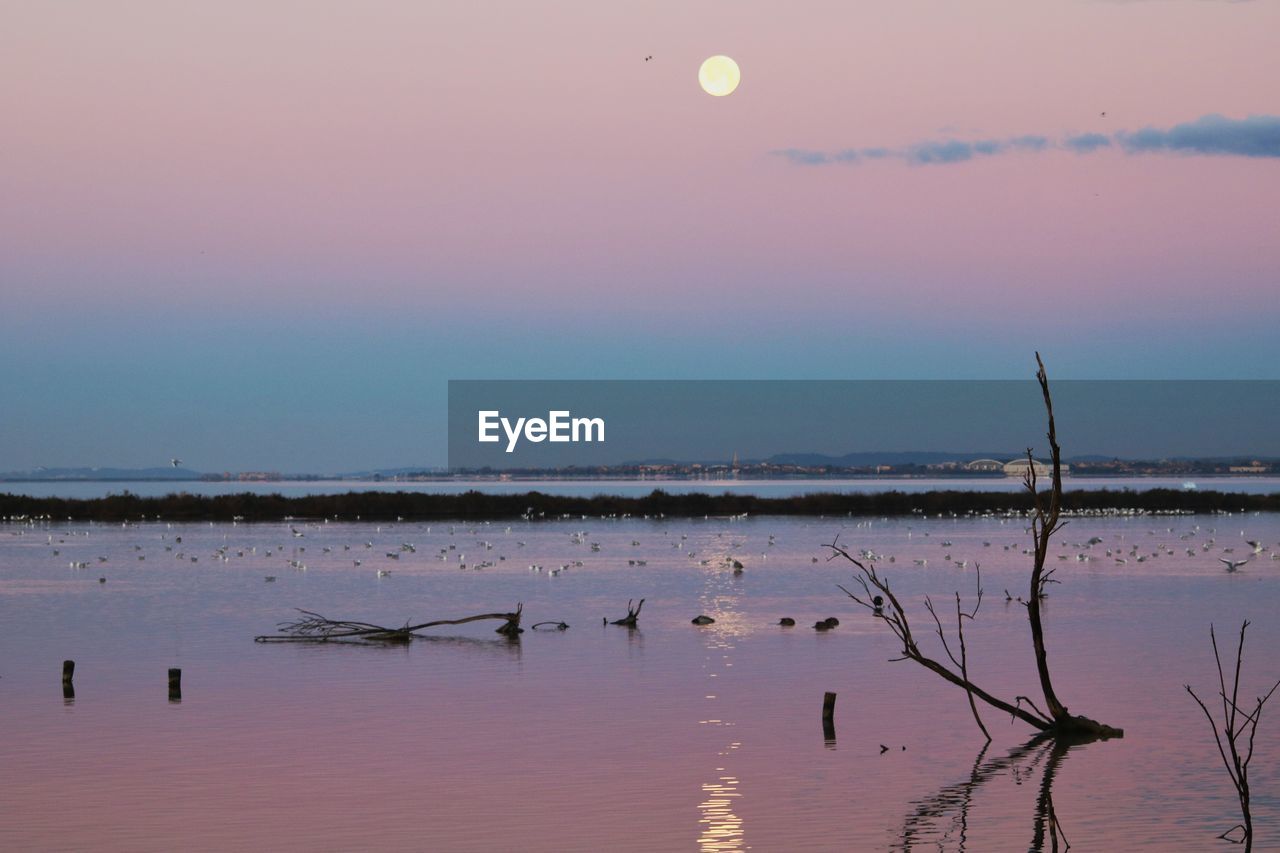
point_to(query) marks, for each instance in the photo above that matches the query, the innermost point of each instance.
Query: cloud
(802, 156)
(1086, 143)
(807, 157)
(1030, 143)
(1255, 136)
(952, 151)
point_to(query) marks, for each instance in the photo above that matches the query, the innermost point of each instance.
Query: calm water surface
(669, 737)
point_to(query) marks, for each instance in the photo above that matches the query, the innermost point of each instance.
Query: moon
(719, 76)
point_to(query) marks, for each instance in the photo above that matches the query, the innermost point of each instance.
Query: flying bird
(1232, 565)
(175, 462)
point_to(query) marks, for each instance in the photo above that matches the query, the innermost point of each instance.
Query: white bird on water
(1232, 565)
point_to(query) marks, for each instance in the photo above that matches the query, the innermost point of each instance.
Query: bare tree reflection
(941, 821)
(1045, 825)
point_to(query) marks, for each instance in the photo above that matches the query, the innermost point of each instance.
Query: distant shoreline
(657, 481)
(1079, 472)
(474, 505)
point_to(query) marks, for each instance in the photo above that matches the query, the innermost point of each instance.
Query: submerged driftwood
(311, 627)
(631, 620)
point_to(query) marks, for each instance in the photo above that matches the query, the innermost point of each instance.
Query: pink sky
(402, 162)
(412, 145)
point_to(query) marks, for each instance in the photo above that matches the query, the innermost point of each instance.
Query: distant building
(1018, 468)
(990, 466)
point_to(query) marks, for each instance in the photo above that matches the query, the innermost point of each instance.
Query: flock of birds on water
(719, 550)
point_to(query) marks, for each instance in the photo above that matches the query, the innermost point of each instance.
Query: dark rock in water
(737, 566)
(832, 621)
(787, 622)
(822, 626)
(702, 620)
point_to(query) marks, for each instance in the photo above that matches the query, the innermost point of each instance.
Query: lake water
(625, 488)
(667, 737)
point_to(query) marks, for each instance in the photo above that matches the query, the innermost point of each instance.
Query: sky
(263, 236)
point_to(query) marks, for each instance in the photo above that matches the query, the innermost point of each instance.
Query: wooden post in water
(829, 717)
(68, 686)
(175, 684)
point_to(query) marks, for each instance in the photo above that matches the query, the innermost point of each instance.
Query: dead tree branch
(894, 615)
(1236, 723)
(312, 627)
(631, 620)
(962, 662)
(1044, 523)
(1046, 520)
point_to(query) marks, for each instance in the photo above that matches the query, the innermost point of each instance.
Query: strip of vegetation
(417, 506)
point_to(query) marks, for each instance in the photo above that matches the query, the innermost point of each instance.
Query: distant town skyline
(897, 464)
(264, 236)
